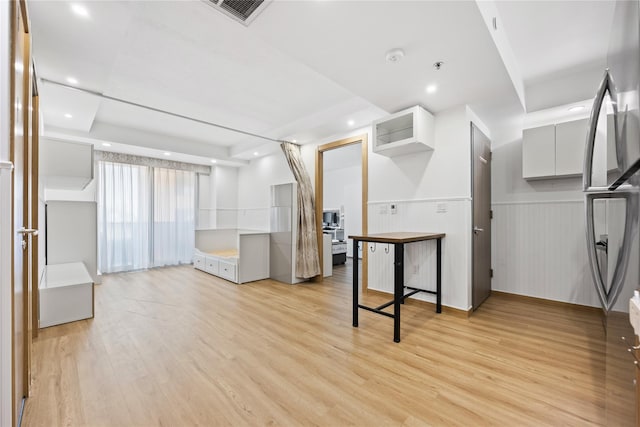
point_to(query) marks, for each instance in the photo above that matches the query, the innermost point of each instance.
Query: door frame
(363, 139)
(34, 181)
(472, 125)
(19, 28)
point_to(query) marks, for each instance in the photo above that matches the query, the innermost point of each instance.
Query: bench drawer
(199, 262)
(227, 271)
(211, 265)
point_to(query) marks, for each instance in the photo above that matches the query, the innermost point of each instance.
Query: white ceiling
(302, 70)
(560, 47)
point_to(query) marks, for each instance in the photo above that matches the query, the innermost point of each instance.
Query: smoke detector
(243, 11)
(395, 55)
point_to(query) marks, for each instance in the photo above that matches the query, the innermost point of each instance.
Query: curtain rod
(158, 110)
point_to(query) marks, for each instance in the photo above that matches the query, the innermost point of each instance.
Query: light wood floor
(176, 346)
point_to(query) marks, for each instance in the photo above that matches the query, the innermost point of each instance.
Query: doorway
(481, 216)
(358, 143)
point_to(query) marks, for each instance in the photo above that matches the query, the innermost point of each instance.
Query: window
(146, 216)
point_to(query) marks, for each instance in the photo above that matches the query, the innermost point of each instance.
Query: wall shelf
(405, 132)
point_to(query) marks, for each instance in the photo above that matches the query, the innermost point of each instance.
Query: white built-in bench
(239, 256)
(66, 294)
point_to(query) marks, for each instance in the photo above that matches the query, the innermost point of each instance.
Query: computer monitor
(331, 218)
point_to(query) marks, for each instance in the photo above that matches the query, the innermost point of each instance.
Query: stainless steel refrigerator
(611, 185)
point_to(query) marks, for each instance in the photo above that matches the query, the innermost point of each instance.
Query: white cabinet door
(211, 265)
(199, 262)
(539, 152)
(570, 141)
(227, 271)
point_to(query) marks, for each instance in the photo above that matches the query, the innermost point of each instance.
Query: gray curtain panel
(307, 260)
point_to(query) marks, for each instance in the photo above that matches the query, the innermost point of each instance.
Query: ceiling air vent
(243, 11)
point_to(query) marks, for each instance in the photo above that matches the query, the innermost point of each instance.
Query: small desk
(398, 240)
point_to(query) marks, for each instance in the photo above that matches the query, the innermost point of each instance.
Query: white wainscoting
(539, 250)
(450, 216)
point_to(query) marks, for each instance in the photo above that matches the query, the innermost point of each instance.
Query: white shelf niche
(405, 132)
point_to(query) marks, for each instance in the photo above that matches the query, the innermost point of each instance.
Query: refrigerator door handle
(606, 85)
(609, 296)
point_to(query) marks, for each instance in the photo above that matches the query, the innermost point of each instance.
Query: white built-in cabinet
(571, 138)
(538, 152)
(554, 150)
(405, 132)
(65, 165)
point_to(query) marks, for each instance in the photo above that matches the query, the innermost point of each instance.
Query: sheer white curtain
(146, 216)
(124, 227)
(173, 216)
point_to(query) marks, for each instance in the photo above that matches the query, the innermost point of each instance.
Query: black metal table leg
(398, 291)
(439, 276)
(355, 283)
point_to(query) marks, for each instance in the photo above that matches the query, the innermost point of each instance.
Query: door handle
(477, 230)
(606, 85)
(25, 231)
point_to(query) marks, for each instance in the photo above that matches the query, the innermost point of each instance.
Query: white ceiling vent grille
(244, 11)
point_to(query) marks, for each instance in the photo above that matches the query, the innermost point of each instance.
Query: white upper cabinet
(570, 140)
(539, 152)
(65, 165)
(554, 150)
(404, 132)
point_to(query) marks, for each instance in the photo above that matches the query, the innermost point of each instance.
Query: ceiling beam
(489, 12)
(154, 142)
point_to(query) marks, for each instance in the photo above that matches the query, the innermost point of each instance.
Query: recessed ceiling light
(166, 153)
(577, 108)
(394, 55)
(68, 116)
(351, 123)
(106, 144)
(72, 80)
(431, 88)
(80, 10)
(255, 153)
(213, 160)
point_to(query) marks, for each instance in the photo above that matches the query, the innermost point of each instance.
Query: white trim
(536, 202)
(6, 165)
(432, 199)
(6, 286)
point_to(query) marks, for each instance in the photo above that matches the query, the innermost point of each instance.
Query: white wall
(254, 189)
(538, 233)
(421, 185)
(226, 182)
(5, 222)
(444, 172)
(418, 184)
(206, 215)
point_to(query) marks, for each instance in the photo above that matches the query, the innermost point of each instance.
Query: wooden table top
(398, 237)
